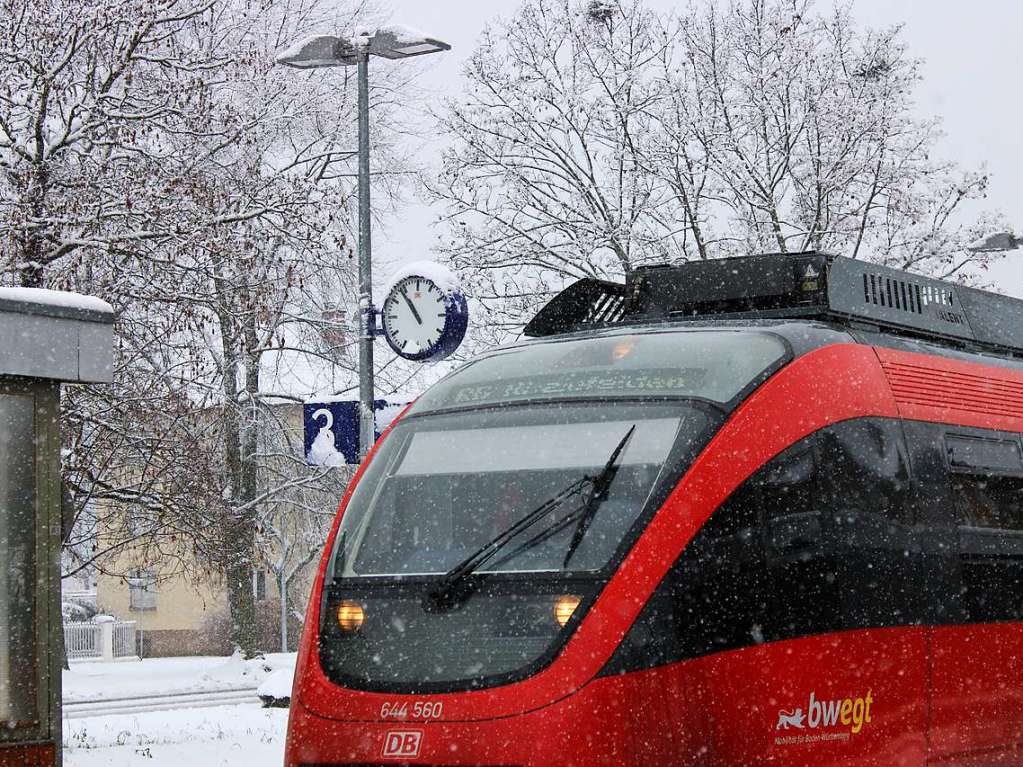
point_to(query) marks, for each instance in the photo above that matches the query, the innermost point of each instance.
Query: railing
(104, 640)
(124, 640)
(82, 640)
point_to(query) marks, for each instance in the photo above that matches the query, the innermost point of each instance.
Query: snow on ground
(278, 685)
(200, 737)
(158, 676)
(245, 735)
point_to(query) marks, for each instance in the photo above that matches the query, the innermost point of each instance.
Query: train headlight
(350, 615)
(564, 607)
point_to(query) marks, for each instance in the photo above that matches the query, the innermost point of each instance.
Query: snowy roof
(54, 335)
(55, 303)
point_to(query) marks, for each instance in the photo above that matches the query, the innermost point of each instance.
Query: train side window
(869, 496)
(987, 490)
(983, 455)
(989, 502)
(987, 481)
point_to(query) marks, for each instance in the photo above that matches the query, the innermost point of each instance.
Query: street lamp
(317, 51)
(995, 243)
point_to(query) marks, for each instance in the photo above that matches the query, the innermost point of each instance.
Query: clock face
(415, 316)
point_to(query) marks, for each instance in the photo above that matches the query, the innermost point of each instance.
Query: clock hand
(415, 312)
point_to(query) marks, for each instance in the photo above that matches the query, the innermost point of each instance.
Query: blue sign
(332, 430)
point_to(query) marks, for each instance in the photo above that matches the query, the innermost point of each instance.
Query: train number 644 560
(420, 709)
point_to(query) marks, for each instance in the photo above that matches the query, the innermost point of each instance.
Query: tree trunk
(282, 587)
(249, 478)
(243, 607)
(32, 250)
(238, 527)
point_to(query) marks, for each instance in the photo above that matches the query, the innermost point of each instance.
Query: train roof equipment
(805, 286)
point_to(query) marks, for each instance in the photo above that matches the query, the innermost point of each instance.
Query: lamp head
(318, 51)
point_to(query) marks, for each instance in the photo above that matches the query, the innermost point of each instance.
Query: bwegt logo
(847, 712)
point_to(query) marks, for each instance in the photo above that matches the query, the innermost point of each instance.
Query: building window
(258, 584)
(142, 590)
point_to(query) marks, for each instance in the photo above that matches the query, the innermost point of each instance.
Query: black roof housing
(856, 294)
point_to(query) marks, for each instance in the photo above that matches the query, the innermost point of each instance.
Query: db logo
(402, 743)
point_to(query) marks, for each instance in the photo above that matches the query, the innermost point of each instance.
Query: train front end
(474, 592)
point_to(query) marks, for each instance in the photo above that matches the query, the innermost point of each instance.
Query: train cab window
(987, 491)
(815, 541)
(867, 470)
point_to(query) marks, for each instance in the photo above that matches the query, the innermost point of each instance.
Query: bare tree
(86, 88)
(596, 136)
(545, 178)
(152, 153)
(298, 506)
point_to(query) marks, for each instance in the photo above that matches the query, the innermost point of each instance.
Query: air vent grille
(585, 304)
(904, 295)
(607, 307)
(944, 390)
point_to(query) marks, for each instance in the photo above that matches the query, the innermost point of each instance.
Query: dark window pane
(988, 501)
(986, 456)
(442, 486)
(18, 674)
(866, 468)
(989, 508)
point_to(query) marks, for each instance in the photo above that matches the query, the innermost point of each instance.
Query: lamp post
(996, 243)
(318, 51)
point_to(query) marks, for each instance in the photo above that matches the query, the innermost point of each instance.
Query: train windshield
(540, 495)
(455, 483)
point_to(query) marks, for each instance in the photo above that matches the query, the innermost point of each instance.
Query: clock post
(367, 316)
(316, 51)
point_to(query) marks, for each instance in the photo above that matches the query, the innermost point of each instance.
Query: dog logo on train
(787, 719)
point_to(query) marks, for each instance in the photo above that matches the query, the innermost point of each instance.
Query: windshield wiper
(448, 594)
(583, 515)
(598, 494)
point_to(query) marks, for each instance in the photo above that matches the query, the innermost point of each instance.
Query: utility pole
(367, 318)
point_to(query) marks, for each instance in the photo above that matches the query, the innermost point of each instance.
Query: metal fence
(90, 641)
(82, 640)
(124, 639)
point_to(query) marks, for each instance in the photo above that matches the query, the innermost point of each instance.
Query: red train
(759, 510)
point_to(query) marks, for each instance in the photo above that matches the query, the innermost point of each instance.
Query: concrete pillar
(106, 635)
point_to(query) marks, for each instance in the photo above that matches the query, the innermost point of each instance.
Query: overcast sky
(972, 66)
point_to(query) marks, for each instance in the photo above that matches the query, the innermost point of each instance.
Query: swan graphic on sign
(332, 430)
(323, 451)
